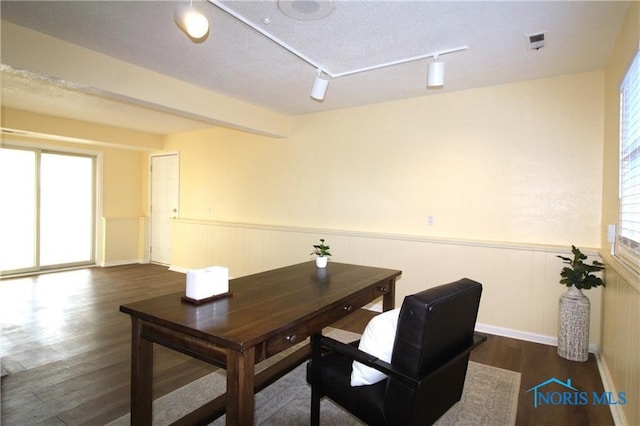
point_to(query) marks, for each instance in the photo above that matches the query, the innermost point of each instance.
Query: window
(628, 239)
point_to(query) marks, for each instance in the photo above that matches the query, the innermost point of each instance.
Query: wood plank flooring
(66, 348)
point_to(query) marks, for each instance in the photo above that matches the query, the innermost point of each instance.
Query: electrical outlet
(430, 220)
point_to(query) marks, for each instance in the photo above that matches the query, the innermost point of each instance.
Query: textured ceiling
(240, 62)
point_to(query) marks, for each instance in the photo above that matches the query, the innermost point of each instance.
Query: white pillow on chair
(376, 340)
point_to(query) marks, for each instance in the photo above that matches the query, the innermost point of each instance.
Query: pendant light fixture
(192, 22)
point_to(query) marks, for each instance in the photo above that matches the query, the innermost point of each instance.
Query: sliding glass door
(47, 219)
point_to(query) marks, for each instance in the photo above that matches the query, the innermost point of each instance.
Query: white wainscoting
(521, 288)
(619, 360)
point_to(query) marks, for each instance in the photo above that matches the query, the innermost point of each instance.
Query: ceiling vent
(536, 41)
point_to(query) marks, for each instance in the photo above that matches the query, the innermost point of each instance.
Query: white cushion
(376, 340)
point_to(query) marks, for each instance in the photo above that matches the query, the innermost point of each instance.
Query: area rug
(490, 397)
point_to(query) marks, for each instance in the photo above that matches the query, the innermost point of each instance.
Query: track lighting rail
(315, 64)
(320, 84)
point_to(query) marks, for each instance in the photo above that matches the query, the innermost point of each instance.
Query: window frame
(625, 248)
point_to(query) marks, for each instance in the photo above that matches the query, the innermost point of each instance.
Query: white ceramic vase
(573, 325)
(321, 261)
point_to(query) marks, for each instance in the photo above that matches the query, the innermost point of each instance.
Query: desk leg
(389, 298)
(141, 375)
(240, 384)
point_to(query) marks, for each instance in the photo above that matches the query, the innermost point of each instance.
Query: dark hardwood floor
(66, 348)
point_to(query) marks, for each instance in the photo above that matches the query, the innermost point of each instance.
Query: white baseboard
(526, 336)
(121, 262)
(607, 383)
(517, 334)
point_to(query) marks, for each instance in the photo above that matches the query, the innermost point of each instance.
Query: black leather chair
(434, 337)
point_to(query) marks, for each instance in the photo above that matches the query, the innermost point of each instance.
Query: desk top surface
(262, 304)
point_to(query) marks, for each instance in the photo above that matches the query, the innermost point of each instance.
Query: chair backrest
(434, 326)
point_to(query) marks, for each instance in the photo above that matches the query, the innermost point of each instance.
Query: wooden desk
(268, 313)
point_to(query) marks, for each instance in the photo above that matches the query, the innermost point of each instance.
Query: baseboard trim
(121, 262)
(607, 383)
(517, 334)
(526, 336)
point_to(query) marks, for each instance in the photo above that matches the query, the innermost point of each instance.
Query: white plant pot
(321, 261)
(573, 325)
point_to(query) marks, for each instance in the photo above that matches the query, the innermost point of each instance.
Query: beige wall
(511, 174)
(514, 163)
(621, 299)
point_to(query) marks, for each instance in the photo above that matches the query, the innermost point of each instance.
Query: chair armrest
(369, 360)
(355, 354)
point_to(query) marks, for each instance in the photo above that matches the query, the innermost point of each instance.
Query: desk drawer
(286, 340)
(350, 305)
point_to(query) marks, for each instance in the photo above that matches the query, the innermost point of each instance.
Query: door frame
(147, 245)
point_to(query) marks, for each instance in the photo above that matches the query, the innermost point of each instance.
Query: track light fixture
(319, 89)
(435, 73)
(191, 21)
(435, 76)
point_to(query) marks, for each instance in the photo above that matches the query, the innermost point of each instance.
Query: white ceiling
(238, 61)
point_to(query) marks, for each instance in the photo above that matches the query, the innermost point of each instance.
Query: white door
(164, 205)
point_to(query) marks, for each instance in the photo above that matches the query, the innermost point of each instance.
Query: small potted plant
(575, 307)
(322, 254)
(578, 274)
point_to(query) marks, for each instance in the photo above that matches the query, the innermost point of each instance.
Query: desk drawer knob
(292, 339)
(348, 308)
(382, 289)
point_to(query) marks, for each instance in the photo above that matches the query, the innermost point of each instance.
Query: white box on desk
(207, 282)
